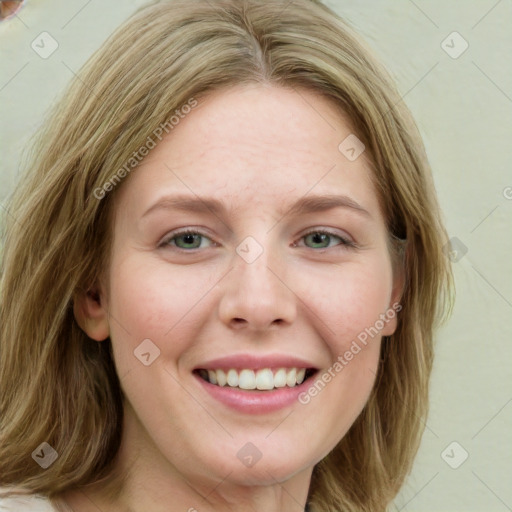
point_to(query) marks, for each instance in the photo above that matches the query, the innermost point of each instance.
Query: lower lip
(252, 401)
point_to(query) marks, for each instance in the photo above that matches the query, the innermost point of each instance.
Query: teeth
(212, 377)
(232, 378)
(291, 378)
(247, 380)
(221, 377)
(264, 379)
(280, 378)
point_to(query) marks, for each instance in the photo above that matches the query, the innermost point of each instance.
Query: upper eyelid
(184, 231)
(346, 241)
(326, 231)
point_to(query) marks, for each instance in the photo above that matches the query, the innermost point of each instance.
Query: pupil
(188, 241)
(319, 238)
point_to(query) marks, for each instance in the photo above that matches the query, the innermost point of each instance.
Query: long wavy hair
(59, 386)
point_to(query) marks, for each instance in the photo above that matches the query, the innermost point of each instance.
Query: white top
(26, 504)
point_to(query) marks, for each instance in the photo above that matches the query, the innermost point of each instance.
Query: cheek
(148, 300)
(348, 299)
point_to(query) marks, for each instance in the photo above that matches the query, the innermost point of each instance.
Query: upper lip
(255, 362)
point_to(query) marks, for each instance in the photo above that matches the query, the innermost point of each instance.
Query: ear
(394, 303)
(90, 312)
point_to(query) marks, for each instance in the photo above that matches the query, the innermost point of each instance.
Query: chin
(265, 466)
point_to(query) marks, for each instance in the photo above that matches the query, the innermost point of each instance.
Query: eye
(324, 240)
(188, 240)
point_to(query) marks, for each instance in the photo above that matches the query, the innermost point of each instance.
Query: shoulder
(24, 503)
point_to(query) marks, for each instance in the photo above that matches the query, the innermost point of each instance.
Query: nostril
(238, 322)
(242, 321)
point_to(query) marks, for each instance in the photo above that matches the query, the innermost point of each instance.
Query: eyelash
(344, 242)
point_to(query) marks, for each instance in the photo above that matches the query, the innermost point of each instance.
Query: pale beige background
(464, 109)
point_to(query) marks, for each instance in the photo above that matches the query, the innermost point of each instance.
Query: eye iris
(318, 239)
(188, 241)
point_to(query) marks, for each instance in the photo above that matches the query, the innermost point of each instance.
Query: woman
(223, 272)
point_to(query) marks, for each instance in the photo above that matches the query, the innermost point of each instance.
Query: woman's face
(249, 247)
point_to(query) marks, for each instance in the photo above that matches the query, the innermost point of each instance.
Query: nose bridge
(256, 296)
(256, 275)
(255, 266)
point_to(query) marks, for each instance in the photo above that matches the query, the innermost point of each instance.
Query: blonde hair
(59, 386)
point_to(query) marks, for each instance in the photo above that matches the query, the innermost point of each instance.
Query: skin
(179, 444)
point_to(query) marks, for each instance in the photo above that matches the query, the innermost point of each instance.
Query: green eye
(322, 240)
(313, 240)
(187, 240)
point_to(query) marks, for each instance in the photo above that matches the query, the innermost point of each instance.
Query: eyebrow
(306, 204)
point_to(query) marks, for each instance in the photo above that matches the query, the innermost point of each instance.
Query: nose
(257, 295)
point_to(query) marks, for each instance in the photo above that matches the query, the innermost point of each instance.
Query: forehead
(254, 146)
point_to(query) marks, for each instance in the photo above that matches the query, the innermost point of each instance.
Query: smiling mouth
(264, 379)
